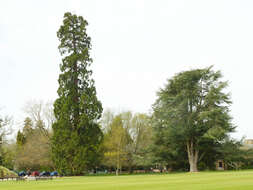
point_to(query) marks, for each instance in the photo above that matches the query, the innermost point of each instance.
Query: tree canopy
(191, 108)
(127, 139)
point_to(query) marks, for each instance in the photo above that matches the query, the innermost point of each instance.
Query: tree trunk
(118, 164)
(192, 156)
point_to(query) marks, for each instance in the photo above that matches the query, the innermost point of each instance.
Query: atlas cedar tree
(193, 108)
(76, 133)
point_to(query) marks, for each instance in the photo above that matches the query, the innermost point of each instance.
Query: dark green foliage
(20, 139)
(28, 127)
(77, 136)
(166, 152)
(247, 159)
(209, 154)
(9, 152)
(193, 110)
(234, 154)
(27, 131)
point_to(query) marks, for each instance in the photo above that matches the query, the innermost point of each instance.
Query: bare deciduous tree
(39, 110)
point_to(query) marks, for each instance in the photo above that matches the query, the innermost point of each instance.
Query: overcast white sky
(137, 46)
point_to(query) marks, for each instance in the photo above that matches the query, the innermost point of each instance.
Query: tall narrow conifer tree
(76, 133)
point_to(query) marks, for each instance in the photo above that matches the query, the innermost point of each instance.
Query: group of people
(36, 173)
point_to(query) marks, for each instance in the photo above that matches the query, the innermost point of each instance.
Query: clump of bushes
(4, 172)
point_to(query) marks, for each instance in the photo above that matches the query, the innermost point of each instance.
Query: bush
(4, 172)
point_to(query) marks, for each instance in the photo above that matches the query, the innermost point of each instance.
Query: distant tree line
(131, 142)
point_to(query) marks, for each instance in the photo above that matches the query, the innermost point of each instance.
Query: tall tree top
(72, 35)
(76, 84)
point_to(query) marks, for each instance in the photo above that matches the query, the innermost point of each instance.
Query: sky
(136, 46)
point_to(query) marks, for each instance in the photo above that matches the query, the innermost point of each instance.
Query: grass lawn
(232, 180)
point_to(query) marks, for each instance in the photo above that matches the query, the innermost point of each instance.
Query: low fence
(26, 178)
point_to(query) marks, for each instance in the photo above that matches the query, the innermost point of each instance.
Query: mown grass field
(236, 180)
